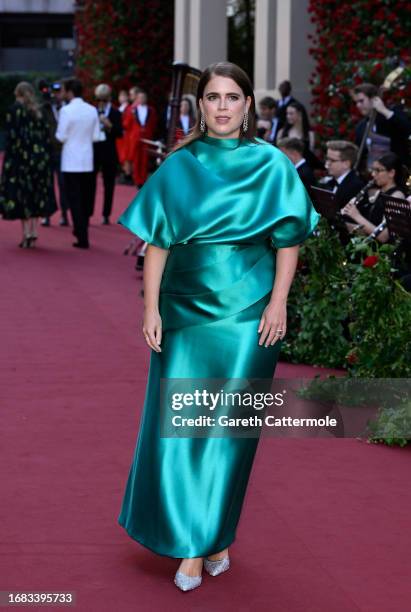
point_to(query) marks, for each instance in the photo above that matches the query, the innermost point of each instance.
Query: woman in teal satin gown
(223, 217)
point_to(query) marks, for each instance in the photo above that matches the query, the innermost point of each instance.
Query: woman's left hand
(273, 323)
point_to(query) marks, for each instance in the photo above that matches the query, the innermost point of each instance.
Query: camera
(47, 90)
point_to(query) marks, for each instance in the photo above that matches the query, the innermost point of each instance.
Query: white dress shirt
(105, 112)
(340, 180)
(185, 123)
(78, 127)
(142, 111)
(300, 163)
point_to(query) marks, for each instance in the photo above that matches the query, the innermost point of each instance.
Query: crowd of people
(65, 136)
(358, 174)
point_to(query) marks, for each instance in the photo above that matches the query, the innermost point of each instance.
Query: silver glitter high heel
(187, 583)
(217, 567)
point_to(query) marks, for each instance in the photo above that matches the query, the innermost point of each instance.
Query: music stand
(326, 204)
(397, 212)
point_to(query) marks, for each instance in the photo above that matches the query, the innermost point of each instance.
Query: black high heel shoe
(25, 243)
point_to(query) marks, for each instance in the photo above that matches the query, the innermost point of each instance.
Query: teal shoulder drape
(227, 191)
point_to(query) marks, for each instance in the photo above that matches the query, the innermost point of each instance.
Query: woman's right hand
(152, 328)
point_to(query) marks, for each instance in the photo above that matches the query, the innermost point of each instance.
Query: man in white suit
(78, 127)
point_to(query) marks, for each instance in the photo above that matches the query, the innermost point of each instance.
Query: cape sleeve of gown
(147, 215)
(295, 217)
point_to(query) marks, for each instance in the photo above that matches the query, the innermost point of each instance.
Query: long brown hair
(305, 122)
(26, 92)
(237, 74)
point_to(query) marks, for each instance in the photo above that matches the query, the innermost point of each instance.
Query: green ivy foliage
(380, 313)
(317, 305)
(390, 424)
(347, 309)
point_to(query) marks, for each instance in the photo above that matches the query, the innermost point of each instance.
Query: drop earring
(202, 123)
(245, 122)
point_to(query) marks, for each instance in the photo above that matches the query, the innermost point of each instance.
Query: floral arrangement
(355, 42)
(348, 310)
(125, 43)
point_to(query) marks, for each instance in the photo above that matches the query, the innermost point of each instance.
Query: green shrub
(347, 310)
(318, 304)
(390, 425)
(380, 313)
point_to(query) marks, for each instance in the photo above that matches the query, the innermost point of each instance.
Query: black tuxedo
(106, 160)
(397, 128)
(307, 176)
(106, 150)
(261, 131)
(347, 189)
(56, 146)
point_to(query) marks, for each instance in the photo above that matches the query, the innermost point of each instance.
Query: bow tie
(332, 183)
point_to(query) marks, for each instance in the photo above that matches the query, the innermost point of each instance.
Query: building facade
(36, 36)
(280, 41)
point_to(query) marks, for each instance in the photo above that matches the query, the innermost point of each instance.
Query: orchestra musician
(367, 208)
(344, 182)
(390, 130)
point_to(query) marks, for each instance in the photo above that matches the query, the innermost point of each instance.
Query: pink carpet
(325, 524)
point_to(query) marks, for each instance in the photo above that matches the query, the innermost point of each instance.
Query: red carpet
(325, 524)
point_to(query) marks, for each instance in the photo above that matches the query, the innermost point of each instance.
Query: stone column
(301, 64)
(181, 30)
(200, 34)
(281, 47)
(264, 47)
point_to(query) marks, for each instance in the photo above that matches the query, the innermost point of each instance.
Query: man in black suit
(391, 130)
(344, 182)
(105, 151)
(52, 103)
(268, 123)
(294, 149)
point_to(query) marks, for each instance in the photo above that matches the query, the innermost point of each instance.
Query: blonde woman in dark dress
(26, 190)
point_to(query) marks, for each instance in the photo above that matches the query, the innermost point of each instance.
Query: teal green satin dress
(222, 207)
